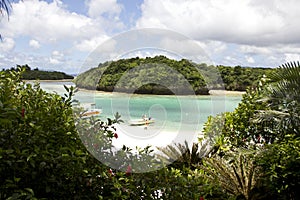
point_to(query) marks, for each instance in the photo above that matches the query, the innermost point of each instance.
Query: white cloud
(51, 22)
(7, 45)
(212, 47)
(292, 57)
(57, 57)
(232, 21)
(230, 32)
(96, 8)
(184, 47)
(245, 32)
(90, 44)
(35, 22)
(250, 49)
(250, 59)
(34, 44)
(143, 53)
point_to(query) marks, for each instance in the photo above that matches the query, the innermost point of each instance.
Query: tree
(268, 120)
(283, 97)
(237, 174)
(280, 160)
(180, 155)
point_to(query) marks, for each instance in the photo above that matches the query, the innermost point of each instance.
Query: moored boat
(140, 122)
(92, 112)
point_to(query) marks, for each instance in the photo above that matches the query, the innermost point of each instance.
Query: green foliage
(236, 173)
(150, 75)
(283, 98)
(266, 120)
(40, 152)
(180, 155)
(153, 71)
(236, 128)
(36, 74)
(240, 78)
(280, 165)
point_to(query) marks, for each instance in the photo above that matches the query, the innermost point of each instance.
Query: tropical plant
(267, 119)
(5, 7)
(282, 95)
(236, 173)
(280, 160)
(181, 155)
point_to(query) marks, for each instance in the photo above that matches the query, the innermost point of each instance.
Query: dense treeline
(161, 75)
(240, 78)
(37, 74)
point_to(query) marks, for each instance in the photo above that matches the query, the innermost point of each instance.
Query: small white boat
(140, 122)
(92, 112)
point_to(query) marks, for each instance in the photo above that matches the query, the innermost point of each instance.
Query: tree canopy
(161, 75)
(36, 74)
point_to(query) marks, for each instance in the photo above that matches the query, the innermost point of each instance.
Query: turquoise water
(178, 119)
(169, 112)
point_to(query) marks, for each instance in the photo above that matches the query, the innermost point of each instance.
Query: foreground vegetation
(255, 152)
(167, 76)
(36, 74)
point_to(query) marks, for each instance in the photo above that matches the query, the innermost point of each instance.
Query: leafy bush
(267, 120)
(41, 154)
(280, 165)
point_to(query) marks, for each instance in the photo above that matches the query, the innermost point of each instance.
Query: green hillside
(161, 75)
(36, 74)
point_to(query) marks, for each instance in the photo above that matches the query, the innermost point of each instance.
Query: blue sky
(61, 34)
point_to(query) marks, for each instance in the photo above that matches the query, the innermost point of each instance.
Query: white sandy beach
(61, 80)
(133, 136)
(226, 92)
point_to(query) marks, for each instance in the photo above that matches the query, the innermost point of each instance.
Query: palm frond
(282, 96)
(237, 175)
(182, 154)
(286, 81)
(5, 6)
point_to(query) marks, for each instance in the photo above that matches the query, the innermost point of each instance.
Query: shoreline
(211, 92)
(60, 80)
(226, 92)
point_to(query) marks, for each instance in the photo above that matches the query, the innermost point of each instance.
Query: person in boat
(144, 117)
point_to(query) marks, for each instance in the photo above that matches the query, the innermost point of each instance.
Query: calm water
(174, 115)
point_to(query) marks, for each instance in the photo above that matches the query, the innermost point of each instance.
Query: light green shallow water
(169, 112)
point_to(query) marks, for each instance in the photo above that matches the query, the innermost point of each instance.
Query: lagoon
(177, 118)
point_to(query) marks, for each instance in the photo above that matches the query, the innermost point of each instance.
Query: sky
(62, 34)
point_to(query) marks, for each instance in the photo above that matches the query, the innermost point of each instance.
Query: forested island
(151, 75)
(36, 74)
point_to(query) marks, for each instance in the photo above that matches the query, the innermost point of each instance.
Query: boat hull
(141, 122)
